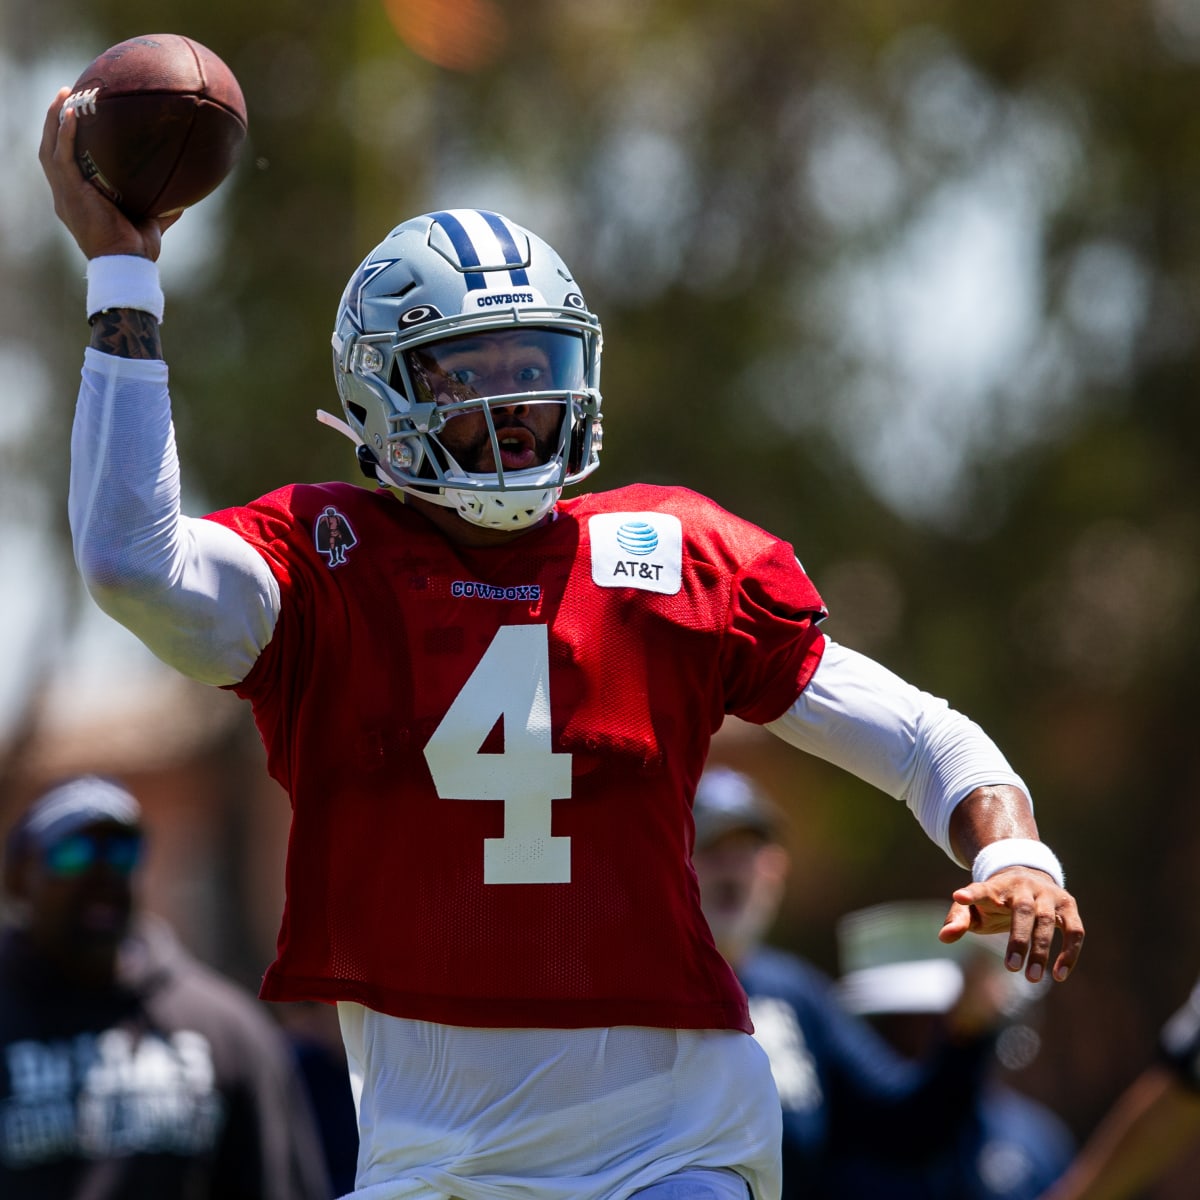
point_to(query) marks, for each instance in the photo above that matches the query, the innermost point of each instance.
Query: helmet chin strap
(345, 430)
(337, 423)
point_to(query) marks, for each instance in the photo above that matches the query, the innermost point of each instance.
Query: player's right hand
(1030, 906)
(95, 222)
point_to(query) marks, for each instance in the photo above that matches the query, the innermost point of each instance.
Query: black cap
(727, 800)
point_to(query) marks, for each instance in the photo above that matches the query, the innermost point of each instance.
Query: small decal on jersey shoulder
(333, 536)
(641, 550)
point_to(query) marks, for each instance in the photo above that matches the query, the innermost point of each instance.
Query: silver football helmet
(422, 323)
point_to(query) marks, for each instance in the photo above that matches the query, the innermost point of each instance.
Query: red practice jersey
(491, 752)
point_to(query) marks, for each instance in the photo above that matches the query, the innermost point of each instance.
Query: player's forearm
(126, 333)
(123, 502)
(986, 815)
(860, 716)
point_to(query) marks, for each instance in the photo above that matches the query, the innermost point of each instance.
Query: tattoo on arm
(126, 333)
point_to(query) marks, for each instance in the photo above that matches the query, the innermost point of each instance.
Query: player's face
(506, 363)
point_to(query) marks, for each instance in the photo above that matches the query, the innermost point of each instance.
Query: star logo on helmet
(358, 284)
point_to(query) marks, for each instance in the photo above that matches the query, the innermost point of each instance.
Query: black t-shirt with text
(174, 1083)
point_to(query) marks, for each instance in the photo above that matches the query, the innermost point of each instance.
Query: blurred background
(911, 284)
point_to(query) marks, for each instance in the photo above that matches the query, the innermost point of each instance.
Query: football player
(490, 710)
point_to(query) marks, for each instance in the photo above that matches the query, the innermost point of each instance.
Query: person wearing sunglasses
(127, 1068)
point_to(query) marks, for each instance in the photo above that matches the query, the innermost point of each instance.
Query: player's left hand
(1030, 906)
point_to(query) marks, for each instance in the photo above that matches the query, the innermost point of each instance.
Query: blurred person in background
(128, 1070)
(1152, 1126)
(896, 974)
(840, 1083)
(316, 1040)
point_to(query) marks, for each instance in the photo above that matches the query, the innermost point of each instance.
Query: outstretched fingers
(1030, 906)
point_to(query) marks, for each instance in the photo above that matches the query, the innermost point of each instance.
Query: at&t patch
(637, 550)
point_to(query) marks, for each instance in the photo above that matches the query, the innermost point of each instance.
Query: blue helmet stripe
(499, 227)
(468, 255)
(463, 247)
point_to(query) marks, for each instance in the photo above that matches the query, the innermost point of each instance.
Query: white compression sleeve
(200, 597)
(859, 716)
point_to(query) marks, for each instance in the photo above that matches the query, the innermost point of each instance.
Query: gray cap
(727, 800)
(73, 805)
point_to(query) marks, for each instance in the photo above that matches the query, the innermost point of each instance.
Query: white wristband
(1017, 852)
(123, 281)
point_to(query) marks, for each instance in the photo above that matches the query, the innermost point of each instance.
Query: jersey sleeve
(772, 643)
(267, 525)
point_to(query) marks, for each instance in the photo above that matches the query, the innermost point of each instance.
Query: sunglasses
(81, 851)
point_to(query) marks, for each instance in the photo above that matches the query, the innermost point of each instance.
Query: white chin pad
(504, 510)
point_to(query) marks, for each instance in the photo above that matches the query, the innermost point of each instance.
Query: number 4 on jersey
(511, 681)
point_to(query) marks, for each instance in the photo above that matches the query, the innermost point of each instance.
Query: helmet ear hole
(367, 462)
(357, 412)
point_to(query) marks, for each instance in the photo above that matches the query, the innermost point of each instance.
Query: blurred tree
(911, 284)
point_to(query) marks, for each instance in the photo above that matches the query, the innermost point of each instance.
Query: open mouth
(518, 448)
